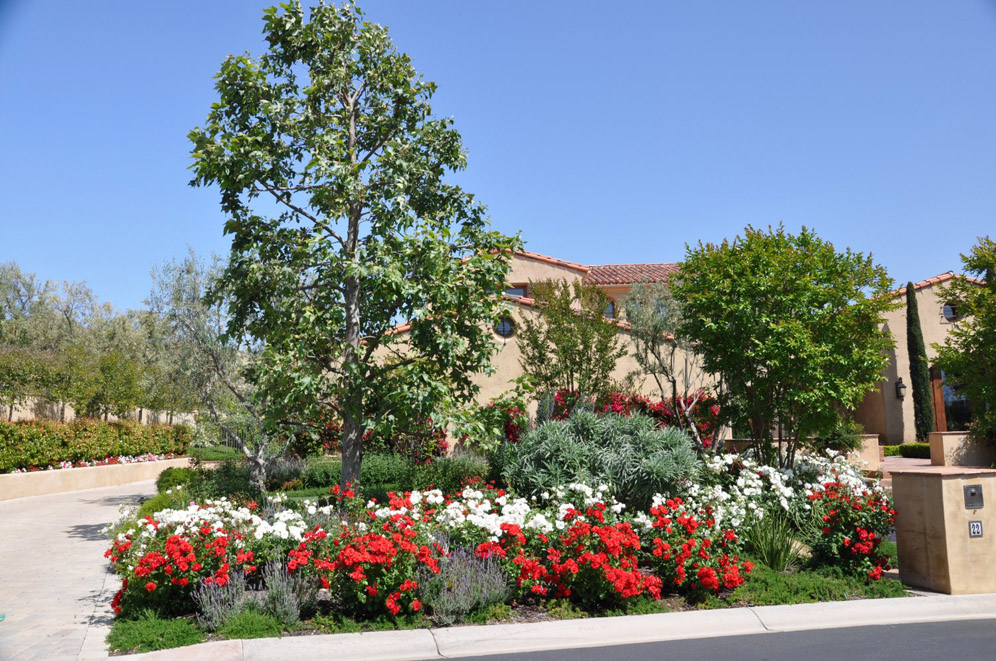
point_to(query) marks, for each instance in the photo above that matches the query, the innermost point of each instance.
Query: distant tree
(569, 345)
(968, 354)
(332, 173)
(793, 328)
(923, 408)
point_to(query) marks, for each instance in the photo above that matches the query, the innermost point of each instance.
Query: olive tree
(792, 326)
(333, 176)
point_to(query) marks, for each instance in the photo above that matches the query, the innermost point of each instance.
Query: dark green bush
(228, 479)
(632, 455)
(915, 450)
(891, 450)
(42, 443)
(174, 477)
(380, 473)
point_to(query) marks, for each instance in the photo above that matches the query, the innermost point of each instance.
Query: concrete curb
(595, 632)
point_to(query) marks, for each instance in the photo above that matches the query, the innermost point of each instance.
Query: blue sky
(605, 132)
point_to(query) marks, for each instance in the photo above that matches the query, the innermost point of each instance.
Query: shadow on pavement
(88, 531)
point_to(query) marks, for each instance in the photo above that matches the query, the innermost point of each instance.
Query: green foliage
(386, 472)
(334, 127)
(915, 450)
(215, 453)
(631, 455)
(771, 542)
(968, 354)
(150, 632)
(569, 344)
(250, 623)
(843, 437)
(42, 443)
(769, 587)
(923, 404)
(174, 477)
(892, 450)
(791, 326)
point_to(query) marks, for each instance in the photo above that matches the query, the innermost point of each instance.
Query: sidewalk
(55, 587)
(458, 642)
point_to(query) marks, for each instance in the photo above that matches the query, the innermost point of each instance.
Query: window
(950, 312)
(505, 327)
(517, 290)
(610, 310)
(951, 407)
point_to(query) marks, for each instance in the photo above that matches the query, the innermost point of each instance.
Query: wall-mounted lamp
(900, 389)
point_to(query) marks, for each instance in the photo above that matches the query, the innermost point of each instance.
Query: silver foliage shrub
(219, 603)
(631, 455)
(288, 595)
(464, 583)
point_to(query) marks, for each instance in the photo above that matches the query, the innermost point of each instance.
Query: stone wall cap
(942, 471)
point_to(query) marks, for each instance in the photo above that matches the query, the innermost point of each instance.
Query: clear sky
(606, 132)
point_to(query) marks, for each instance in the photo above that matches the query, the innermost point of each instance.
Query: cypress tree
(923, 409)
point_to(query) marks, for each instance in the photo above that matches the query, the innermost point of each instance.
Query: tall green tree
(968, 354)
(569, 344)
(332, 171)
(793, 328)
(923, 409)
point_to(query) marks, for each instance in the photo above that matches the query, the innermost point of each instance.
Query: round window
(950, 311)
(505, 327)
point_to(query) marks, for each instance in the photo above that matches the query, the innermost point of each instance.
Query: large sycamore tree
(332, 171)
(793, 328)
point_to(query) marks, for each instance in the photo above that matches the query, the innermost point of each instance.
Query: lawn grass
(150, 633)
(251, 624)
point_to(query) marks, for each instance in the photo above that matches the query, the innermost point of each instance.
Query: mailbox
(973, 497)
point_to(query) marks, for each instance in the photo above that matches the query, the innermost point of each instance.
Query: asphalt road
(973, 640)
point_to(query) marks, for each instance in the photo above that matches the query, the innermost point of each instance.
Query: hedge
(42, 443)
(915, 450)
(381, 471)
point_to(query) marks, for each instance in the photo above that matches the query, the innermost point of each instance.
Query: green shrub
(174, 477)
(845, 437)
(322, 472)
(631, 455)
(42, 443)
(915, 450)
(891, 450)
(215, 453)
(448, 474)
(163, 501)
(228, 479)
(149, 633)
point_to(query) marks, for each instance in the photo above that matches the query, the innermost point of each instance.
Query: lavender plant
(464, 583)
(219, 603)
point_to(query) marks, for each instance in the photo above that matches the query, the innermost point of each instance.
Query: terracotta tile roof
(936, 280)
(627, 274)
(553, 260)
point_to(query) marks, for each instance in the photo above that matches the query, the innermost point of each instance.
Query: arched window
(505, 327)
(950, 312)
(610, 309)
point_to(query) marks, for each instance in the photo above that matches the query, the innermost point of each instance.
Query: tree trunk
(140, 415)
(257, 474)
(10, 415)
(352, 451)
(62, 411)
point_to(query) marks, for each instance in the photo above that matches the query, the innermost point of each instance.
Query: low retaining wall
(39, 483)
(957, 448)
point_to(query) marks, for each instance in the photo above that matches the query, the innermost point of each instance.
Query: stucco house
(888, 411)
(883, 412)
(615, 280)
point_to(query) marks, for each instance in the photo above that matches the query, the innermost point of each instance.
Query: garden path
(55, 587)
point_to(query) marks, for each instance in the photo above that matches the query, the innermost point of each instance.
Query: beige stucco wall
(525, 269)
(932, 529)
(22, 485)
(882, 412)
